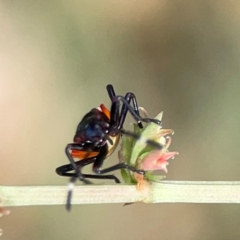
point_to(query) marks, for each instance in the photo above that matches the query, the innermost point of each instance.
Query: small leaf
(153, 178)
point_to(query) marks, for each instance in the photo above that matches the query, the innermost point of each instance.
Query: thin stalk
(162, 192)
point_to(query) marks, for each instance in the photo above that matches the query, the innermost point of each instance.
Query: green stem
(162, 192)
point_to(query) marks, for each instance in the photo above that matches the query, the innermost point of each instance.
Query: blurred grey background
(182, 57)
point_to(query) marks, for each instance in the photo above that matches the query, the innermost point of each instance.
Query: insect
(96, 138)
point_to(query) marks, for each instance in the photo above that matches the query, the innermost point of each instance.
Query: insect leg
(129, 97)
(115, 109)
(126, 107)
(111, 91)
(73, 146)
(65, 169)
(122, 165)
(99, 161)
(115, 113)
(77, 166)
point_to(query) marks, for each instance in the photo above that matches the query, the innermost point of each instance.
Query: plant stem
(162, 192)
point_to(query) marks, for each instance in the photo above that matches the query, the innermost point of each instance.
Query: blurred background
(182, 57)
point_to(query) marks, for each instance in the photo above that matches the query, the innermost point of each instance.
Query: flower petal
(156, 160)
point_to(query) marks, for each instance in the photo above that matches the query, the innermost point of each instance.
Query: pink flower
(157, 159)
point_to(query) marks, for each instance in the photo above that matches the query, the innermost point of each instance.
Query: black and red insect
(97, 137)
